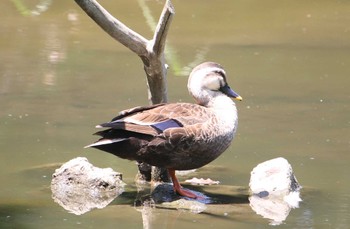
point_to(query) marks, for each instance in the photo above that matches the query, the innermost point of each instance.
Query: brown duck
(177, 136)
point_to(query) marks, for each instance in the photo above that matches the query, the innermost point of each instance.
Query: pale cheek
(213, 85)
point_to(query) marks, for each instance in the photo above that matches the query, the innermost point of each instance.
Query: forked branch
(150, 51)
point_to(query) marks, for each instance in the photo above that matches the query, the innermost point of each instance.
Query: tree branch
(116, 29)
(163, 26)
(151, 52)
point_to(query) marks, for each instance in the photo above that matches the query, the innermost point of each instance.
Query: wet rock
(79, 187)
(165, 193)
(275, 190)
(189, 205)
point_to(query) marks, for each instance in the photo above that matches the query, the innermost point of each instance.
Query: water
(61, 75)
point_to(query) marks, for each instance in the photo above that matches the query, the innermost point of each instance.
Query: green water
(60, 75)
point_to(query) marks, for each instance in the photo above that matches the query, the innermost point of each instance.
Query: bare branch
(116, 29)
(158, 41)
(155, 66)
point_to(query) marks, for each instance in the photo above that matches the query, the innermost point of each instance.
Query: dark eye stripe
(222, 74)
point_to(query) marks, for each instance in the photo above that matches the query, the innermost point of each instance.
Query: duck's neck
(225, 109)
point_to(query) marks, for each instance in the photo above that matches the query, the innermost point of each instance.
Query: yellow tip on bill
(239, 98)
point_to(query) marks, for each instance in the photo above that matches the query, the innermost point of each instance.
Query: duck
(177, 136)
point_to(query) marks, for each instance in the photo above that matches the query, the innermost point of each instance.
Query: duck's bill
(230, 93)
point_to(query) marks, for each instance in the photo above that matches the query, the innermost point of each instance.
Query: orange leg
(178, 188)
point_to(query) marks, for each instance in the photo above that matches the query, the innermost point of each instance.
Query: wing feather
(153, 120)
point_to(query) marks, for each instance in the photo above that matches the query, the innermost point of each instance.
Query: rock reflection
(273, 207)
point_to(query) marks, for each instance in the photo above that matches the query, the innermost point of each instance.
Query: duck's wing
(153, 120)
(185, 113)
(135, 110)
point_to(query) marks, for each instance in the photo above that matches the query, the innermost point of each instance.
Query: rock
(275, 190)
(189, 205)
(165, 193)
(79, 187)
(273, 177)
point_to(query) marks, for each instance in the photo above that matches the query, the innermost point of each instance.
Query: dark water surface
(60, 75)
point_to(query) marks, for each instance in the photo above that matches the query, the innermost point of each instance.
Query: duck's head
(207, 81)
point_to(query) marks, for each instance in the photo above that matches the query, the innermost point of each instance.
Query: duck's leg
(178, 188)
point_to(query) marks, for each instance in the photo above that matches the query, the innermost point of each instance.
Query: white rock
(78, 186)
(275, 190)
(273, 177)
